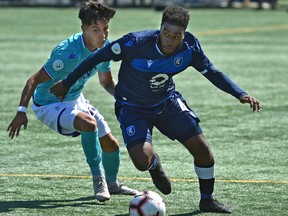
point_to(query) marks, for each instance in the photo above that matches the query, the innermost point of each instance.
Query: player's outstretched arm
(21, 118)
(254, 103)
(220, 80)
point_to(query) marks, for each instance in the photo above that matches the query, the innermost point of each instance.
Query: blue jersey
(65, 57)
(146, 75)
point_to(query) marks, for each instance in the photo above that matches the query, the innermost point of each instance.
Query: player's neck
(90, 46)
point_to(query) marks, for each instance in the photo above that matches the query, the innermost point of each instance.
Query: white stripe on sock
(205, 173)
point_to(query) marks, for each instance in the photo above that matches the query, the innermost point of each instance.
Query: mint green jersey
(65, 57)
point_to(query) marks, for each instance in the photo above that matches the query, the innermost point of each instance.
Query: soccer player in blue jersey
(76, 115)
(146, 97)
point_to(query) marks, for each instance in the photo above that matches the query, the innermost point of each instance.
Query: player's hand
(254, 103)
(59, 90)
(15, 126)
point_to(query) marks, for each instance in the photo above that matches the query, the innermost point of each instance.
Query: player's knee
(200, 150)
(142, 162)
(89, 124)
(141, 155)
(112, 145)
(197, 146)
(109, 143)
(141, 166)
(84, 122)
(204, 155)
(205, 149)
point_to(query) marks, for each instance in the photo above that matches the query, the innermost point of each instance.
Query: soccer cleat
(101, 191)
(159, 178)
(116, 188)
(213, 205)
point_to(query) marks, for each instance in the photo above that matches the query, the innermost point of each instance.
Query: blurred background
(156, 4)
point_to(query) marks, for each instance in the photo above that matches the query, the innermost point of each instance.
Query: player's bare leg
(144, 159)
(204, 168)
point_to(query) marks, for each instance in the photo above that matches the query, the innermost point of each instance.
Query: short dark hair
(176, 15)
(94, 11)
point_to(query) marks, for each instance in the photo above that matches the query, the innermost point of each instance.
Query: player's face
(96, 34)
(171, 37)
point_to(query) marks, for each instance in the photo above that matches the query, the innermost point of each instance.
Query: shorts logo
(130, 130)
(116, 48)
(58, 65)
(178, 61)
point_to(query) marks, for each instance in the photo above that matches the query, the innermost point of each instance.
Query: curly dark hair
(93, 11)
(176, 15)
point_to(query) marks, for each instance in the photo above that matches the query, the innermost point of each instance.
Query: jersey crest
(178, 61)
(58, 65)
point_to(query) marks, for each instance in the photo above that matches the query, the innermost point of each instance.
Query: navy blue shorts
(173, 118)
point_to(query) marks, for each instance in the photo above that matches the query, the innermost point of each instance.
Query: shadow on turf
(184, 214)
(7, 206)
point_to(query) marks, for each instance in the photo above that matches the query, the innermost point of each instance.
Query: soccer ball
(147, 203)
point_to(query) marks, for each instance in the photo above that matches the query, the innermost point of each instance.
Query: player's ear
(83, 27)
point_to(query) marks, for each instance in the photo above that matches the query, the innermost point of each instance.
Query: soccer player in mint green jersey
(75, 115)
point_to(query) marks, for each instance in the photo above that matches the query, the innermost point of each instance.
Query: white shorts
(60, 116)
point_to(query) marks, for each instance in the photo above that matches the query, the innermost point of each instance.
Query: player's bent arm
(223, 82)
(107, 82)
(20, 117)
(31, 84)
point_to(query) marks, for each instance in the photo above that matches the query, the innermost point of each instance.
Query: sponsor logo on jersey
(116, 48)
(130, 130)
(158, 81)
(58, 65)
(178, 61)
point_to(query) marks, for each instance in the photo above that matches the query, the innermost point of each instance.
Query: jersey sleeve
(199, 60)
(116, 51)
(59, 65)
(201, 63)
